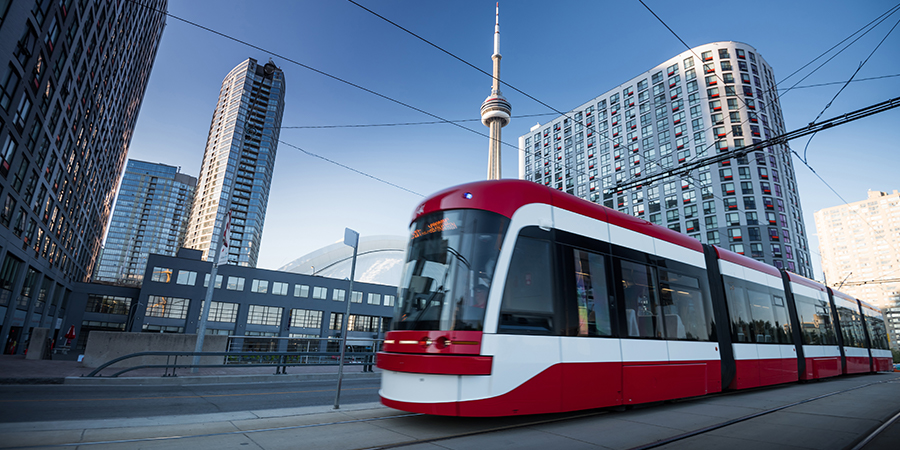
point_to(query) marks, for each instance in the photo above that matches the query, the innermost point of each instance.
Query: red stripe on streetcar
(435, 364)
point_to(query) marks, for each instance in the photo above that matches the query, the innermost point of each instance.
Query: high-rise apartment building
(150, 216)
(708, 100)
(238, 162)
(860, 247)
(72, 77)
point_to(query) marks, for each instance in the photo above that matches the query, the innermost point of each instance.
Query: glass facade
(238, 163)
(72, 77)
(711, 99)
(150, 217)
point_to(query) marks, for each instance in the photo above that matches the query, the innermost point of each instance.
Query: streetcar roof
(505, 197)
(799, 279)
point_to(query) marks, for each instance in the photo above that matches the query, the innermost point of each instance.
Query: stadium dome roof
(379, 260)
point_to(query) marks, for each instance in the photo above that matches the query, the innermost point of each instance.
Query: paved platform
(850, 409)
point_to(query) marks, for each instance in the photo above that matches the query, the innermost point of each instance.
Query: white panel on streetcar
(631, 239)
(693, 351)
(576, 223)
(518, 358)
(419, 388)
(745, 351)
(678, 253)
(590, 349)
(731, 269)
(640, 350)
(768, 351)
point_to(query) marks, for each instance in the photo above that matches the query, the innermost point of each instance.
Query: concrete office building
(150, 217)
(72, 78)
(860, 247)
(246, 302)
(708, 100)
(238, 163)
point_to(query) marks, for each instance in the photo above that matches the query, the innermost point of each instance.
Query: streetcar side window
(742, 326)
(762, 315)
(592, 294)
(683, 299)
(851, 325)
(782, 322)
(528, 300)
(877, 331)
(816, 327)
(642, 315)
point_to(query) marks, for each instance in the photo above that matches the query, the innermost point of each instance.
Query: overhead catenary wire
(861, 65)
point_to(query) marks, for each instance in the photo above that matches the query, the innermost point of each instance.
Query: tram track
(515, 423)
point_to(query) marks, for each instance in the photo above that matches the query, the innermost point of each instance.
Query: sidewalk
(15, 369)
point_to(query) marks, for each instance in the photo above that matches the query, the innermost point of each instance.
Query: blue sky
(563, 53)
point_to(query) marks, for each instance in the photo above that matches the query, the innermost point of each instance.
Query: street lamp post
(207, 304)
(351, 238)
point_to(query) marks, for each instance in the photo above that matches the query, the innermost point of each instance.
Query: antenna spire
(497, 32)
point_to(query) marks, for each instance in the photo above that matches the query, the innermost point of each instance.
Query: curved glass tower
(710, 99)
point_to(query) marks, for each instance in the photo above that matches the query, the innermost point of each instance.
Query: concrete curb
(205, 379)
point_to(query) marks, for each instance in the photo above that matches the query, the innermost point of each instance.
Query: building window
(356, 297)
(8, 85)
(218, 281)
(259, 286)
(264, 315)
(107, 304)
(749, 203)
(161, 275)
(738, 248)
(279, 288)
(320, 293)
(375, 299)
(389, 300)
(338, 295)
(167, 307)
(301, 290)
(221, 311)
(235, 284)
(336, 321)
(712, 237)
(186, 277)
(305, 318)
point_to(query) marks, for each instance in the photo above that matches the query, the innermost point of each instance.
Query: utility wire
(828, 105)
(842, 82)
(350, 168)
(403, 123)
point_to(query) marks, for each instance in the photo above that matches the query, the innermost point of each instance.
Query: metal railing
(280, 360)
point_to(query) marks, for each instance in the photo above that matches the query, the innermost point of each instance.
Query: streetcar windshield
(449, 268)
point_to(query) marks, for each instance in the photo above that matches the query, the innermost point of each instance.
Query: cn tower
(496, 109)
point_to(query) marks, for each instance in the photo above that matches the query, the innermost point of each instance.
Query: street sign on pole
(351, 239)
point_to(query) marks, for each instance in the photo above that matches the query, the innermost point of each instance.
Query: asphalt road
(30, 403)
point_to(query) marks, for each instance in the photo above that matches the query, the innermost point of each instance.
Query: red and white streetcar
(520, 299)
